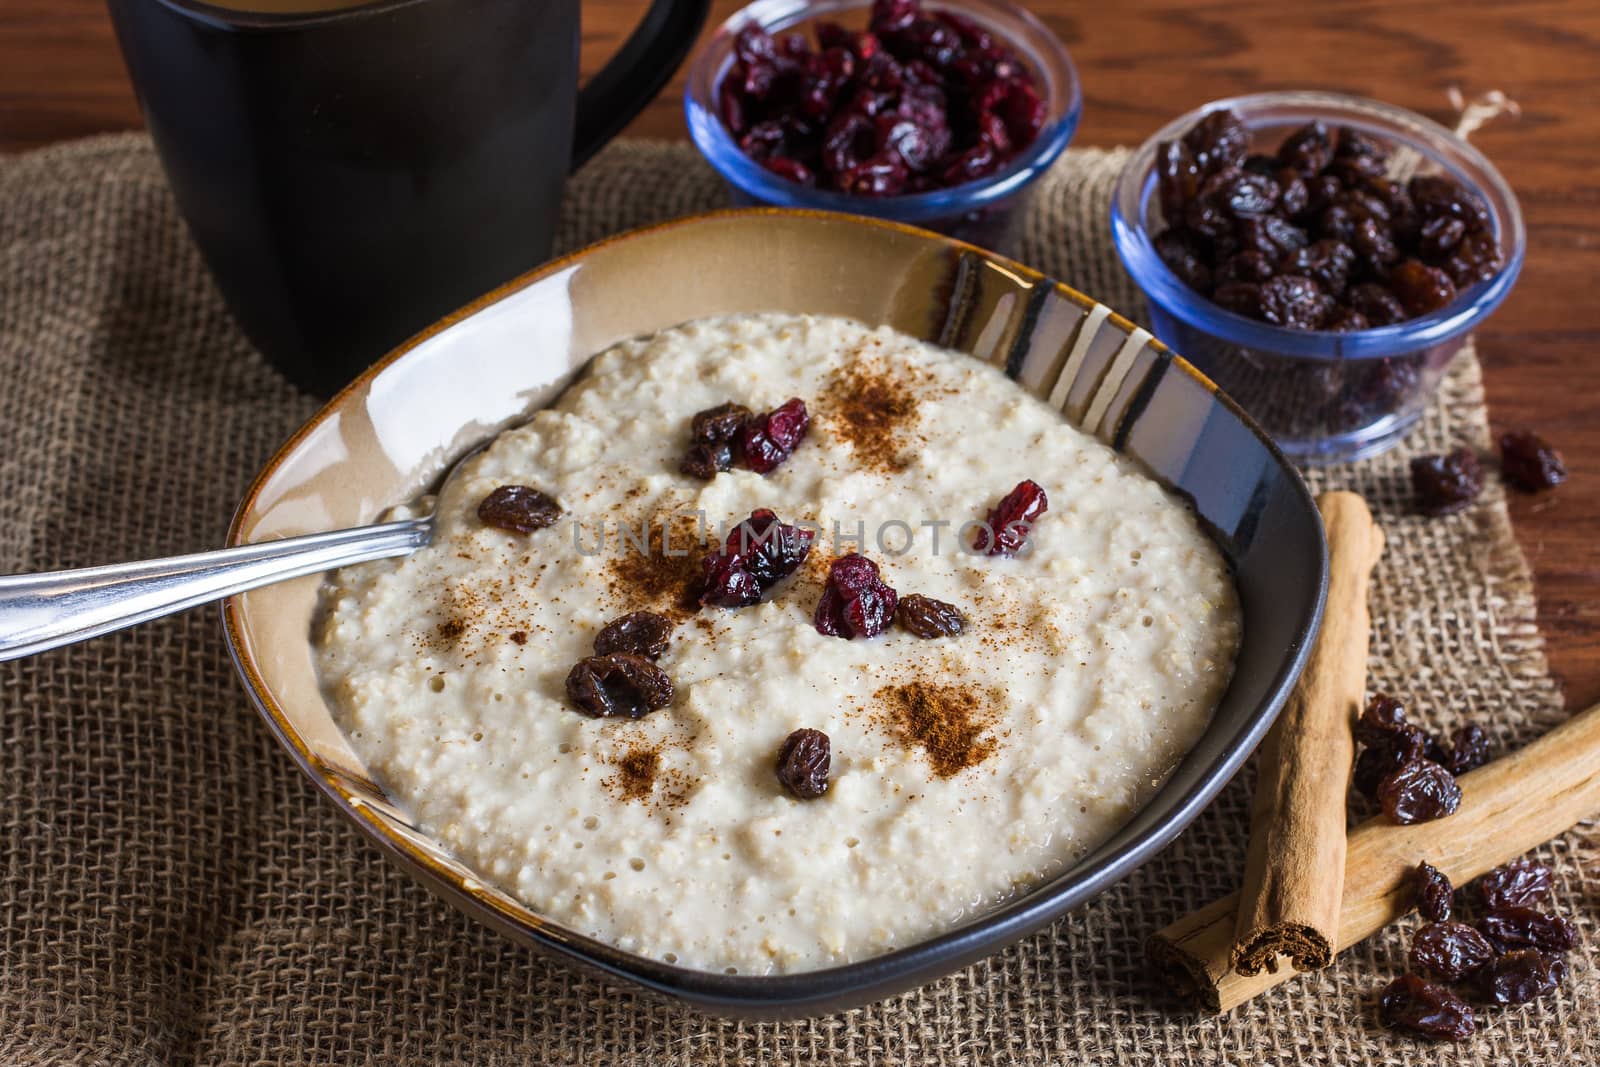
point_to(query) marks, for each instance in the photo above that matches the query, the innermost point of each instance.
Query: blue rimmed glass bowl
(981, 211)
(1325, 397)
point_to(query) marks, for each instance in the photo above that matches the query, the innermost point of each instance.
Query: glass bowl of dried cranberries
(1321, 257)
(927, 112)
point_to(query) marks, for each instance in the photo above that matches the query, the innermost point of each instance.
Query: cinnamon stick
(1508, 806)
(1294, 873)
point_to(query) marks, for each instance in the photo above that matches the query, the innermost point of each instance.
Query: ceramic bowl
(398, 426)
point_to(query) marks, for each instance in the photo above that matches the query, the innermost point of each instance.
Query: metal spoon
(39, 612)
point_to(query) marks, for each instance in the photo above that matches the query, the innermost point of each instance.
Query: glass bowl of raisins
(1321, 257)
(927, 112)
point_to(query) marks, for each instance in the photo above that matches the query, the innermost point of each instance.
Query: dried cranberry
(1006, 530)
(927, 617)
(1410, 1003)
(1529, 463)
(1420, 791)
(1521, 976)
(618, 685)
(1448, 483)
(803, 763)
(1469, 749)
(519, 509)
(1516, 885)
(1449, 951)
(756, 555)
(856, 602)
(639, 633)
(1435, 894)
(767, 440)
(1524, 927)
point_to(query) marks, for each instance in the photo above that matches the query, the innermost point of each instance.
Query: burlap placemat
(174, 892)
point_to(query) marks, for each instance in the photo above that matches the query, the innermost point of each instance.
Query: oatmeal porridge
(964, 645)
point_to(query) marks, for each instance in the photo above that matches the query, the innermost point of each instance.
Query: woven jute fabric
(172, 890)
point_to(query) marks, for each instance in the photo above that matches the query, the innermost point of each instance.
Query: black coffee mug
(354, 171)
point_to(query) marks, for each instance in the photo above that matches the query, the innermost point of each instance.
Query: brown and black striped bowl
(395, 429)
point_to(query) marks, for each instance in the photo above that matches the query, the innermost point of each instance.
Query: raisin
(1529, 463)
(855, 602)
(1523, 927)
(756, 555)
(767, 440)
(1449, 951)
(1475, 259)
(1469, 749)
(927, 617)
(639, 633)
(1410, 1003)
(706, 461)
(1435, 894)
(1520, 976)
(718, 425)
(1308, 149)
(1378, 761)
(1249, 266)
(1345, 320)
(1177, 177)
(1269, 235)
(803, 763)
(1217, 141)
(1374, 243)
(1382, 716)
(1238, 194)
(1440, 236)
(519, 509)
(1437, 196)
(1010, 522)
(1377, 304)
(1421, 288)
(1448, 483)
(1328, 263)
(1294, 301)
(1420, 791)
(1294, 196)
(620, 684)
(1516, 885)
(1241, 298)
(1183, 252)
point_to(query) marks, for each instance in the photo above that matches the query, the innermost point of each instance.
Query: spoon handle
(45, 611)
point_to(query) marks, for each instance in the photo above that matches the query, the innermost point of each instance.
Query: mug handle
(646, 62)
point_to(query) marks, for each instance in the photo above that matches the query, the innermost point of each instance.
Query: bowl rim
(804, 992)
(753, 180)
(1430, 139)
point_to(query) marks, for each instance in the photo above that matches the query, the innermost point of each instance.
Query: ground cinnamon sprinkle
(947, 722)
(871, 409)
(656, 579)
(451, 629)
(636, 774)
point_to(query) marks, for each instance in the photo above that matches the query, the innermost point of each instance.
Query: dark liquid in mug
(287, 7)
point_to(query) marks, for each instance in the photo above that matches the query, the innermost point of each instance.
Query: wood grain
(1143, 62)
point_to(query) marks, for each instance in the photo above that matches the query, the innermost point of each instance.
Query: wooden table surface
(1142, 62)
